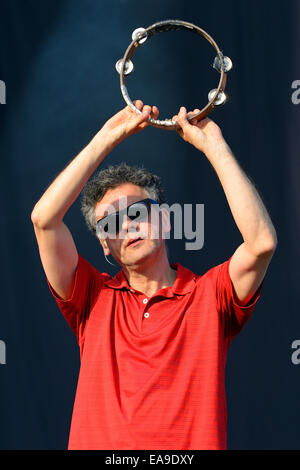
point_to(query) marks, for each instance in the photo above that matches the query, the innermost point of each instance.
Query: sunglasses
(111, 224)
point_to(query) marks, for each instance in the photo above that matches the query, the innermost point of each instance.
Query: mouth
(134, 241)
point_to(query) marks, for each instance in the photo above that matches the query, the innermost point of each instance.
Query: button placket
(145, 302)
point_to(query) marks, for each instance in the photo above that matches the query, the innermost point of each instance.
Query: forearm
(247, 208)
(66, 187)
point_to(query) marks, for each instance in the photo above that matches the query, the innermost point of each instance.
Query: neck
(155, 274)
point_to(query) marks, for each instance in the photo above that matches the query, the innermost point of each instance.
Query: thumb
(138, 121)
(144, 115)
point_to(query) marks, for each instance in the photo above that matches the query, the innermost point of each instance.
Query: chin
(142, 254)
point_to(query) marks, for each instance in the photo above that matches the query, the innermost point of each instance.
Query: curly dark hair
(110, 178)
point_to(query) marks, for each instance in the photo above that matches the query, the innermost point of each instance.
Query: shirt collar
(184, 281)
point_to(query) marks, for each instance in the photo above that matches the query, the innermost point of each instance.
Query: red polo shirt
(152, 370)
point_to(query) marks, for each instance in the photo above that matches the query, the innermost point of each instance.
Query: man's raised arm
(250, 261)
(56, 245)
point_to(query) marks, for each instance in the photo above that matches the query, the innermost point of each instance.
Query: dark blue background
(57, 59)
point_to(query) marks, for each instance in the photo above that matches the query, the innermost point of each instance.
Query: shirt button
(145, 301)
(146, 315)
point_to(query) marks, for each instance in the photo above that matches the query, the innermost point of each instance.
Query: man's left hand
(205, 135)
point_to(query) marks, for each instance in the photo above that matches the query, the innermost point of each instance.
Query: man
(153, 339)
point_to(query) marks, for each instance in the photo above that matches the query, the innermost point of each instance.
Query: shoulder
(213, 272)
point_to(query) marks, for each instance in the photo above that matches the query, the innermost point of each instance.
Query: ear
(104, 246)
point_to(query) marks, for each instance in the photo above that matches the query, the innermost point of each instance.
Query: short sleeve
(77, 308)
(233, 315)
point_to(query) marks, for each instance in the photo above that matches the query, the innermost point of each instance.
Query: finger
(182, 117)
(192, 113)
(138, 104)
(182, 113)
(155, 112)
(145, 114)
(194, 122)
(146, 109)
(196, 111)
(177, 125)
(143, 110)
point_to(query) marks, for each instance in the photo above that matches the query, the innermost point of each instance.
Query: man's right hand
(127, 122)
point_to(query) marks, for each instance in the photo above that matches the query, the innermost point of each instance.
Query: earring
(108, 260)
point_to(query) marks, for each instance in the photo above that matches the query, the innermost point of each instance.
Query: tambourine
(222, 64)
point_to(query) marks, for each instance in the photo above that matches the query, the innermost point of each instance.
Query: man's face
(118, 246)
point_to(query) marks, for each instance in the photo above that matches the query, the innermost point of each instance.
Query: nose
(129, 225)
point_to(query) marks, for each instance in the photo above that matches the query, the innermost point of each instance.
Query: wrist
(218, 149)
(99, 146)
(105, 140)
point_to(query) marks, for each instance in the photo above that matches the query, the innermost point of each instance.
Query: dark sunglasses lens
(110, 224)
(139, 211)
